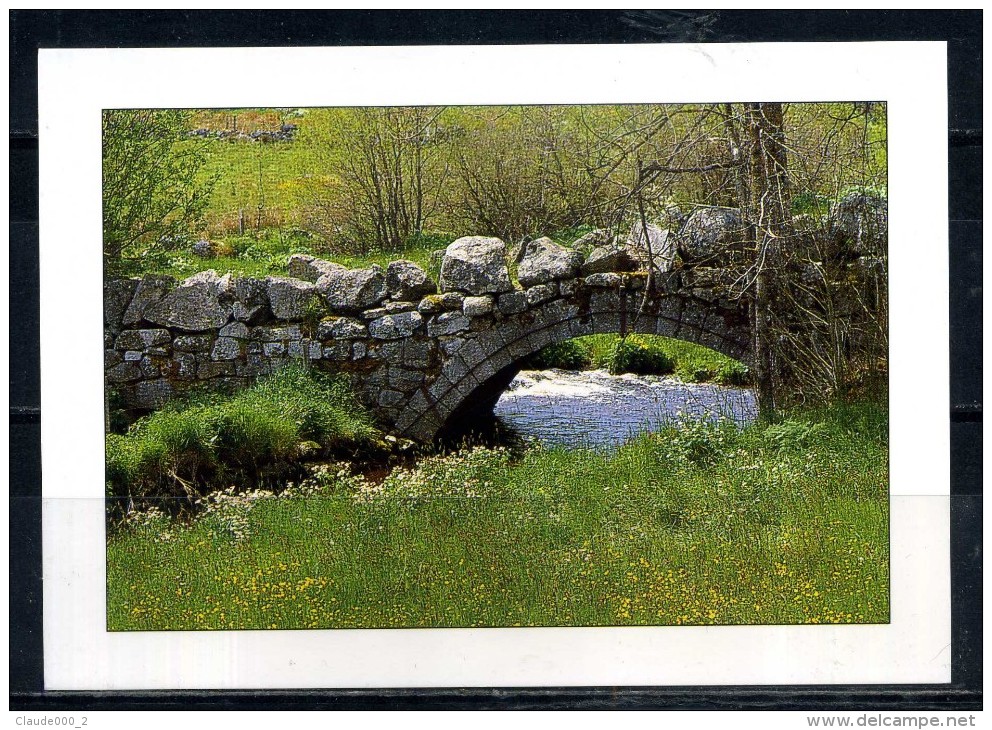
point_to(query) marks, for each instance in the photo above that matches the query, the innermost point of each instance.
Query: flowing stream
(594, 408)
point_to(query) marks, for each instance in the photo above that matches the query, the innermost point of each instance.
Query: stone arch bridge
(422, 359)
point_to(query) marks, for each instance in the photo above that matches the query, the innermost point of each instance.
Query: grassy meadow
(704, 524)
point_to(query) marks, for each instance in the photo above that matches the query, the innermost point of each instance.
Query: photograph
(493, 366)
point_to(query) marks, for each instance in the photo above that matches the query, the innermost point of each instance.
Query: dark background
(962, 30)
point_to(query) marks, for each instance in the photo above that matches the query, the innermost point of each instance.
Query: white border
(75, 85)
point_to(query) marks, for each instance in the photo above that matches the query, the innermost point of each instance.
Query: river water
(594, 408)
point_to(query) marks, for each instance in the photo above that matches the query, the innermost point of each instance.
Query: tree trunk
(767, 215)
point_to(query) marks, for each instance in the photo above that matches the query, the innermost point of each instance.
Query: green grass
(644, 354)
(701, 525)
(259, 434)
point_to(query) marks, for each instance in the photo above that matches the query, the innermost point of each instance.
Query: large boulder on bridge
(407, 282)
(306, 267)
(352, 290)
(656, 246)
(544, 261)
(610, 258)
(290, 298)
(858, 225)
(475, 265)
(712, 236)
(193, 306)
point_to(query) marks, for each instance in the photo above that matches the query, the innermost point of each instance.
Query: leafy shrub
(699, 442)
(637, 355)
(567, 355)
(733, 373)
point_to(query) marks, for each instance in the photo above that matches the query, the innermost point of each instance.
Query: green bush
(637, 355)
(733, 373)
(567, 355)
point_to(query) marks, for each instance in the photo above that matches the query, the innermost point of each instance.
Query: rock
(395, 326)
(390, 398)
(142, 339)
(611, 257)
(209, 277)
(226, 348)
(477, 306)
(416, 354)
(152, 394)
(208, 370)
(126, 372)
(606, 279)
(870, 267)
(544, 261)
(251, 292)
(662, 247)
(247, 314)
(431, 304)
(341, 328)
(712, 236)
(132, 356)
(277, 334)
(475, 265)
(398, 307)
(512, 302)
(858, 223)
(448, 324)
(289, 298)
(359, 350)
(405, 380)
(193, 305)
(150, 290)
(541, 293)
(235, 329)
(352, 290)
(149, 368)
(193, 343)
(306, 267)
(591, 240)
(117, 295)
(339, 351)
(226, 292)
(369, 314)
(452, 301)
(273, 349)
(204, 249)
(407, 281)
(568, 287)
(183, 366)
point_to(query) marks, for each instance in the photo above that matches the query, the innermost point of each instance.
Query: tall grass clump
(258, 435)
(640, 356)
(566, 355)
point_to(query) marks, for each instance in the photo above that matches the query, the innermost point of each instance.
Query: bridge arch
(478, 367)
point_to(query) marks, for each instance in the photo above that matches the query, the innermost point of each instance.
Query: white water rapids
(594, 408)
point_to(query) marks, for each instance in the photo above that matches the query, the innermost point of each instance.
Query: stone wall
(389, 328)
(418, 351)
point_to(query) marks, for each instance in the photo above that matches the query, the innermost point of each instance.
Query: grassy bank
(701, 525)
(644, 355)
(258, 436)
